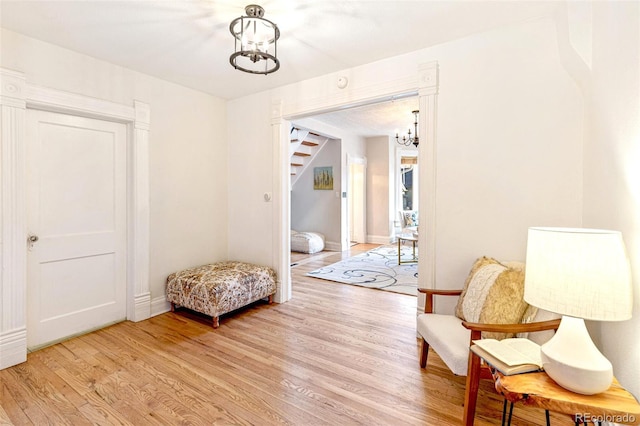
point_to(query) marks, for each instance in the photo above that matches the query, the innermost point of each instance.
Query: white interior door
(76, 208)
(357, 201)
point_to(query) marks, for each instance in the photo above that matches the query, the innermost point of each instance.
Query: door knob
(33, 238)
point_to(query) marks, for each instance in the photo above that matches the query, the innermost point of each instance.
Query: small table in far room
(407, 237)
(538, 390)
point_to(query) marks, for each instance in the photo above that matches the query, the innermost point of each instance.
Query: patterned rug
(377, 268)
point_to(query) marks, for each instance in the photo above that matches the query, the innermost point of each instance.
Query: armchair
(408, 221)
(491, 304)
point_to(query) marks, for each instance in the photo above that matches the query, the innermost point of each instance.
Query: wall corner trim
(13, 234)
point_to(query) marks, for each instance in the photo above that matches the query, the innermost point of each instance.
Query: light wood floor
(334, 355)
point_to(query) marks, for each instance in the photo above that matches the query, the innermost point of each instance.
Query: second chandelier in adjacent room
(408, 139)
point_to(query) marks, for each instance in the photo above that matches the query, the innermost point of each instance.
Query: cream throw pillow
(479, 263)
(493, 294)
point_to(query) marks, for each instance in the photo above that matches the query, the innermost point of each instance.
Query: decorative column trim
(281, 249)
(13, 331)
(139, 231)
(427, 152)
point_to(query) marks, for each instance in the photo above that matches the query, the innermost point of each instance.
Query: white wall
(320, 210)
(188, 149)
(250, 175)
(355, 146)
(509, 146)
(379, 190)
(303, 218)
(611, 163)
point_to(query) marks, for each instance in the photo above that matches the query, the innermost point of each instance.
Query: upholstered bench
(219, 288)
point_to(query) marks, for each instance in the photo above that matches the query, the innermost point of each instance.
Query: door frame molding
(288, 106)
(16, 96)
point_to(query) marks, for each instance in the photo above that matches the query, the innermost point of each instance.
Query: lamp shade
(583, 273)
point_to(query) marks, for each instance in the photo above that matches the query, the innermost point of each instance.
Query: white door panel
(76, 202)
(59, 247)
(357, 201)
(98, 273)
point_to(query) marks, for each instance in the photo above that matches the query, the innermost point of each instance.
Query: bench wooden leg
(424, 352)
(216, 322)
(471, 390)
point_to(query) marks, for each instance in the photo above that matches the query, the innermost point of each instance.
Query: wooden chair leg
(471, 390)
(424, 352)
(173, 307)
(216, 322)
(270, 299)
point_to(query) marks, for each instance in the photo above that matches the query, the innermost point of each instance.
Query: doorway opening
(290, 108)
(362, 201)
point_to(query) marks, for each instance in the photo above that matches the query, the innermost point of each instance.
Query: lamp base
(572, 360)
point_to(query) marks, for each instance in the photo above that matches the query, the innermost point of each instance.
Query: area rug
(377, 268)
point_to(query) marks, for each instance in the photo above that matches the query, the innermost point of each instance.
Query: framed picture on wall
(323, 178)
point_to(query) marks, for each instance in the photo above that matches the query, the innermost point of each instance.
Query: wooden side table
(539, 390)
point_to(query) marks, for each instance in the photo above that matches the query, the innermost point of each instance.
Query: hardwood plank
(10, 409)
(264, 369)
(42, 385)
(33, 407)
(169, 374)
(226, 366)
(334, 354)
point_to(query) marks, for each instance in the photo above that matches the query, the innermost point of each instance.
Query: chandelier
(408, 140)
(255, 42)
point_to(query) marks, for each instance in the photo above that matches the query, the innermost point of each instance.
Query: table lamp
(580, 274)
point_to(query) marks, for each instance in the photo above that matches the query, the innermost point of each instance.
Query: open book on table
(509, 356)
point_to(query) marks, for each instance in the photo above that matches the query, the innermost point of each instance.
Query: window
(407, 189)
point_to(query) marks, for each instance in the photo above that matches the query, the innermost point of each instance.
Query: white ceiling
(188, 42)
(380, 119)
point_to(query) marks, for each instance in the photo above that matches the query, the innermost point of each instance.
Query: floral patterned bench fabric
(222, 287)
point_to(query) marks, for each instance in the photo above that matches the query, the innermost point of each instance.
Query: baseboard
(141, 307)
(13, 347)
(159, 305)
(379, 239)
(332, 246)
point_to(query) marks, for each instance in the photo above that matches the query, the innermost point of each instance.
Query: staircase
(305, 144)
